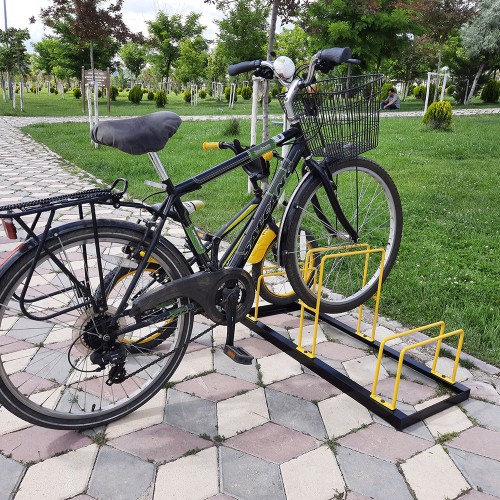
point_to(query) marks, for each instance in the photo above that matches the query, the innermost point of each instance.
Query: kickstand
(236, 353)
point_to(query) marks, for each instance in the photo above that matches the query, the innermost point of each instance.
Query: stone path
(272, 430)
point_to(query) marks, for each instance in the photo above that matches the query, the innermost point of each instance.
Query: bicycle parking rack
(370, 399)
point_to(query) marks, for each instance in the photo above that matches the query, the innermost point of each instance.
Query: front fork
(321, 171)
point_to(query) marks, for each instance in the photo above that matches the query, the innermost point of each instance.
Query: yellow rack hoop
(439, 339)
(336, 252)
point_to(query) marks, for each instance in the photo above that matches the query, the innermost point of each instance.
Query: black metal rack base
(396, 417)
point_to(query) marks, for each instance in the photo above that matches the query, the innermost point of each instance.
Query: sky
(135, 14)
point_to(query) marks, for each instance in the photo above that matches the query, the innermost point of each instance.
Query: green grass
(54, 105)
(447, 267)
(42, 104)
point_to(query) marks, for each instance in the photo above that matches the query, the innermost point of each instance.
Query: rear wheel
(56, 369)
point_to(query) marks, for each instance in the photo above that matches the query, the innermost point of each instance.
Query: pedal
(238, 354)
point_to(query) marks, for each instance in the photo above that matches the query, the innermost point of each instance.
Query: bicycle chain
(185, 344)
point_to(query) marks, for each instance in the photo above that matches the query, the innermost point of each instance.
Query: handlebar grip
(354, 61)
(336, 55)
(243, 67)
(210, 145)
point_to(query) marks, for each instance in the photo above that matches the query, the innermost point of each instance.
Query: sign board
(99, 76)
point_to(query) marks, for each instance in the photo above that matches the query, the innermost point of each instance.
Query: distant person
(392, 100)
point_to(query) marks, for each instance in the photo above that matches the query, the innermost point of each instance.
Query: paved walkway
(272, 430)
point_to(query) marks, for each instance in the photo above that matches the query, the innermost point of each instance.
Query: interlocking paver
(315, 474)
(37, 443)
(242, 412)
(195, 477)
(306, 386)
(338, 351)
(249, 478)
(442, 478)
(480, 441)
(224, 364)
(69, 475)
(385, 443)
(120, 476)
(371, 476)
(215, 386)
(196, 415)
(147, 415)
(409, 392)
(483, 390)
(341, 414)
(160, 443)
(258, 348)
(362, 370)
(193, 364)
(295, 413)
(278, 367)
(479, 471)
(485, 413)
(273, 442)
(10, 476)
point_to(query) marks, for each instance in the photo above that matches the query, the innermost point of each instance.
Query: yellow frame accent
(438, 340)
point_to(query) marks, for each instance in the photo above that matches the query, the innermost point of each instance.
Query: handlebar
(244, 67)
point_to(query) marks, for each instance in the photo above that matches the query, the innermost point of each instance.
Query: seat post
(160, 169)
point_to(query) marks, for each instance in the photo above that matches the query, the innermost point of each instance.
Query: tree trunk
(474, 83)
(436, 90)
(270, 49)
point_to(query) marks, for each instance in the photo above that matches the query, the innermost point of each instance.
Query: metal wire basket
(339, 116)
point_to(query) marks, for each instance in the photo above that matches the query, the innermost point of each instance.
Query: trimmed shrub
(274, 91)
(151, 95)
(77, 93)
(161, 99)
(385, 89)
(135, 95)
(438, 115)
(187, 95)
(145, 91)
(419, 92)
(491, 91)
(113, 92)
(246, 92)
(450, 90)
(202, 94)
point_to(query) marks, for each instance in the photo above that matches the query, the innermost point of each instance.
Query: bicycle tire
(370, 201)
(47, 376)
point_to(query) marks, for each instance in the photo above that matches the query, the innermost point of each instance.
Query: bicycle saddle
(136, 136)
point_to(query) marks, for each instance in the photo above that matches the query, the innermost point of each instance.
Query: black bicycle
(96, 315)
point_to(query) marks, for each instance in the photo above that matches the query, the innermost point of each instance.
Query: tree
(192, 62)
(481, 38)
(166, 34)
(13, 55)
(48, 53)
(294, 44)
(91, 21)
(441, 19)
(217, 64)
(243, 32)
(134, 57)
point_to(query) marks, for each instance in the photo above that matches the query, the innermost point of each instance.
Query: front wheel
(370, 201)
(56, 369)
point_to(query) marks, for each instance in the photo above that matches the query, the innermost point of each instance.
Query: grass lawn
(447, 267)
(54, 105)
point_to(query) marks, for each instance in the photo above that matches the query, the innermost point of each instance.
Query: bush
(202, 94)
(246, 92)
(450, 90)
(113, 93)
(232, 127)
(187, 95)
(438, 115)
(161, 99)
(151, 95)
(135, 95)
(274, 91)
(77, 93)
(419, 92)
(99, 93)
(145, 91)
(491, 91)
